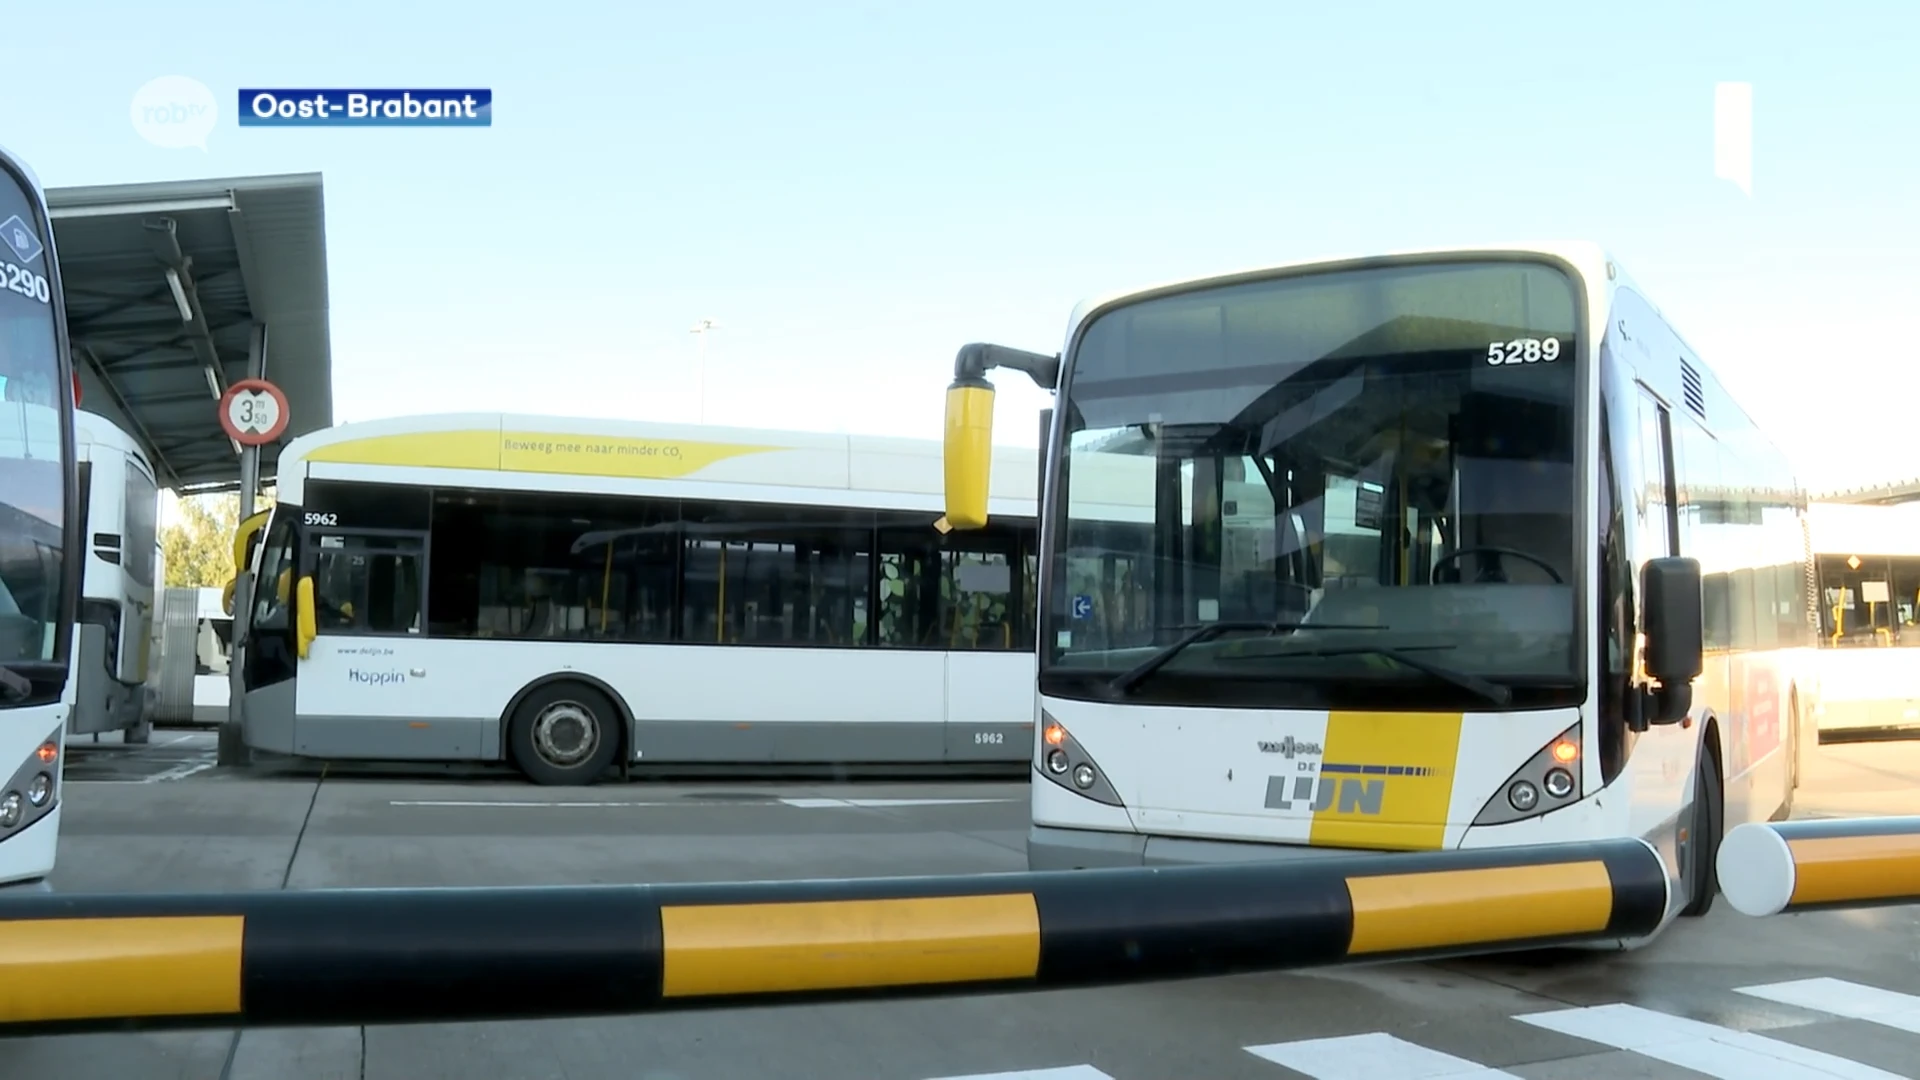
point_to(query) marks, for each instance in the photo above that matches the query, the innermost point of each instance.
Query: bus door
(1663, 756)
(366, 682)
(270, 653)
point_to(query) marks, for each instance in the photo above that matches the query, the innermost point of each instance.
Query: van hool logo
(1289, 748)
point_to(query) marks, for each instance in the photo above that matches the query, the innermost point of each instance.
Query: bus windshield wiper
(14, 685)
(1130, 678)
(1495, 692)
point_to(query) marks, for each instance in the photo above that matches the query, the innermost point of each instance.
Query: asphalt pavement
(1792, 998)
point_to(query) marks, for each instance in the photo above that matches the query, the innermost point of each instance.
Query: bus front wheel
(564, 734)
(1705, 824)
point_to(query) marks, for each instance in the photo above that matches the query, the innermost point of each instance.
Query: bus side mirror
(968, 452)
(304, 621)
(1675, 635)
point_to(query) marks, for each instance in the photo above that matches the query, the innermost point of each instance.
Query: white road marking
(181, 771)
(1062, 1073)
(1838, 997)
(518, 805)
(798, 804)
(1374, 1056)
(828, 804)
(1705, 1048)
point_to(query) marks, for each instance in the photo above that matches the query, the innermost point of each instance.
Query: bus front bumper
(1050, 848)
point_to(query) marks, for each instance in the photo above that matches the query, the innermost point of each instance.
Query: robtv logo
(175, 112)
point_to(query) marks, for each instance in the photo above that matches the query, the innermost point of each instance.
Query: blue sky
(856, 189)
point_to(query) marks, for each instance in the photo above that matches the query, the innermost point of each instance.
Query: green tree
(198, 548)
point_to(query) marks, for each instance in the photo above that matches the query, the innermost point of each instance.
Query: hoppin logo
(376, 678)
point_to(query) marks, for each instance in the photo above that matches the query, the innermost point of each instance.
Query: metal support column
(232, 746)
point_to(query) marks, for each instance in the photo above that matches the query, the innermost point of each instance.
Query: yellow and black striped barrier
(376, 956)
(1767, 868)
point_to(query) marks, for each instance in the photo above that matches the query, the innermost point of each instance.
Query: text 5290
(19, 279)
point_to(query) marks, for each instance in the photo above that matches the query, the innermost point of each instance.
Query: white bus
(1454, 549)
(113, 634)
(39, 531)
(193, 646)
(567, 595)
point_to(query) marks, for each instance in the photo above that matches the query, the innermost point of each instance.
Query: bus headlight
(10, 808)
(1548, 781)
(40, 790)
(1065, 762)
(1559, 783)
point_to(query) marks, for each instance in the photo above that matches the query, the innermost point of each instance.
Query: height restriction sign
(253, 412)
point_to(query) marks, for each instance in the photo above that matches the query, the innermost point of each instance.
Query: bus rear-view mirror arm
(969, 438)
(1675, 639)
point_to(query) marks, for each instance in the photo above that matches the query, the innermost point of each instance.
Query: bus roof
(93, 429)
(1589, 258)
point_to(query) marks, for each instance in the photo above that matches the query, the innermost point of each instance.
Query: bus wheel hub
(565, 733)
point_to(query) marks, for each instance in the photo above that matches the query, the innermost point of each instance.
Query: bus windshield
(32, 480)
(1368, 477)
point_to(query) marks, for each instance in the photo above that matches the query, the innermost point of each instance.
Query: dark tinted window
(367, 584)
(33, 459)
(143, 511)
(1388, 451)
(368, 506)
(580, 567)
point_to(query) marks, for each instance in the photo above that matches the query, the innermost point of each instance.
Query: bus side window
(269, 607)
(367, 585)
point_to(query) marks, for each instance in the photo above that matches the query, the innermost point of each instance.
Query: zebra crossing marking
(1838, 997)
(1062, 1073)
(1694, 1045)
(1705, 1048)
(1373, 1056)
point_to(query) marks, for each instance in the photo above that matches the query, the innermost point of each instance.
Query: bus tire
(1705, 824)
(565, 733)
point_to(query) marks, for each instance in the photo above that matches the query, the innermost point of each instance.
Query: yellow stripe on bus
(1386, 780)
(551, 452)
(770, 948)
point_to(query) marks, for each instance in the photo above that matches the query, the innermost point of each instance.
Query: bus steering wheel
(1503, 552)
